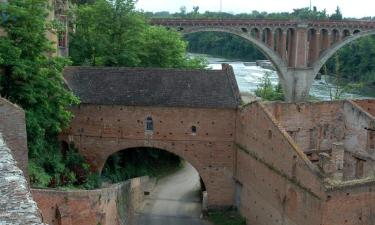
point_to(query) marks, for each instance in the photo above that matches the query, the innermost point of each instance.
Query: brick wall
(367, 105)
(314, 126)
(115, 205)
(277, 182)
(99, 131)
(352, 204)
(12, 125)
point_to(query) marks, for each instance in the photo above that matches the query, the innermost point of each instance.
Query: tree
(337, 15)
(32, 78)
(112, 33)
(267, 91)
(336, 85)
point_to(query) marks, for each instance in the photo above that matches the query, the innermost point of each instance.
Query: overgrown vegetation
(138, 162)
(267, 91)
(226, 218)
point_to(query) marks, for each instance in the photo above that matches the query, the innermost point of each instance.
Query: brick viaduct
(297, 48)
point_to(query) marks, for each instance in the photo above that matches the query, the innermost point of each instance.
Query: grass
(226, 218)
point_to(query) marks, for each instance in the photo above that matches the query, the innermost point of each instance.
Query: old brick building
(190, 113)
(278, 163)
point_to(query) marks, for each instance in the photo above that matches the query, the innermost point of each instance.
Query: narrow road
(174, 201)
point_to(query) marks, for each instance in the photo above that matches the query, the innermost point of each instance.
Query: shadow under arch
(279, 64)
(328, 53)
(203, 177)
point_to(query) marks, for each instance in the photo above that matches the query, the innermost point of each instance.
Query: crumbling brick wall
(278, 182)
(314, 126)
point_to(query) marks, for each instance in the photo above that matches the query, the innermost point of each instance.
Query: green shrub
(267, 91)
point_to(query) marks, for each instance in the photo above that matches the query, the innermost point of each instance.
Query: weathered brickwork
(279, 183)
(367, 105)
(319, 128)
(12, 125)
(99, 131)
(352, 205)
(16, 204)
(115, 205)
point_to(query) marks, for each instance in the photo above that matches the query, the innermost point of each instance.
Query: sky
(349, 8)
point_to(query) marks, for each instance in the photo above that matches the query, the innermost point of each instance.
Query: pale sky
(349, 8)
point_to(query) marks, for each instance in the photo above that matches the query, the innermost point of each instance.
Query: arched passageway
(175, 197)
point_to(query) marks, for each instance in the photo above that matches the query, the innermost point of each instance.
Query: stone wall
(277, 184)
(99, 131)
(16, 203)
(115, 205)
(12, 125)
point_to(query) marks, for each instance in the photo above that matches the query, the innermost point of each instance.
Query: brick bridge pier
(297, 48)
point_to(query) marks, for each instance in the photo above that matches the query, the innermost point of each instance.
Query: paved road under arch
(175, 200)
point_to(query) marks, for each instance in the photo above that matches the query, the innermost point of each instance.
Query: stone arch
(335, 37)
(291, 46)
(168, 147)
(279, 39)
(313, 45)
(254, 38)
(328, 53)
(268, 37)
(324, 39)
(255, 33)
(346, 33)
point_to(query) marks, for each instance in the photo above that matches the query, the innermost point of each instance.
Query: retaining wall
(115, 205)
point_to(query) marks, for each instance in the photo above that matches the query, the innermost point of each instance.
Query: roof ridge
(141, 69)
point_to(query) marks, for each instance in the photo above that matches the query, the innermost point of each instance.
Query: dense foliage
(31, 77)
(139, 162)
(224, 45)
(356, 63)
(112, 33)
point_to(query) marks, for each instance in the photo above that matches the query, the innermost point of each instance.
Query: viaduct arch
(297, 48)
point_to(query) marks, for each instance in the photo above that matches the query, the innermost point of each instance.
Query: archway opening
(291, 46)
(349, 65)
(225, 45)
(172, 177)
(246, 54)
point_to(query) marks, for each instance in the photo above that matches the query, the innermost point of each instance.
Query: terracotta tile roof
(154, 87)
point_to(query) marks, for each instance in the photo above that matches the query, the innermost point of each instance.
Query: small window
(193, 129)
(149, 124)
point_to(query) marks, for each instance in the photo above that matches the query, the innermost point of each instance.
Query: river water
(248, 76)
